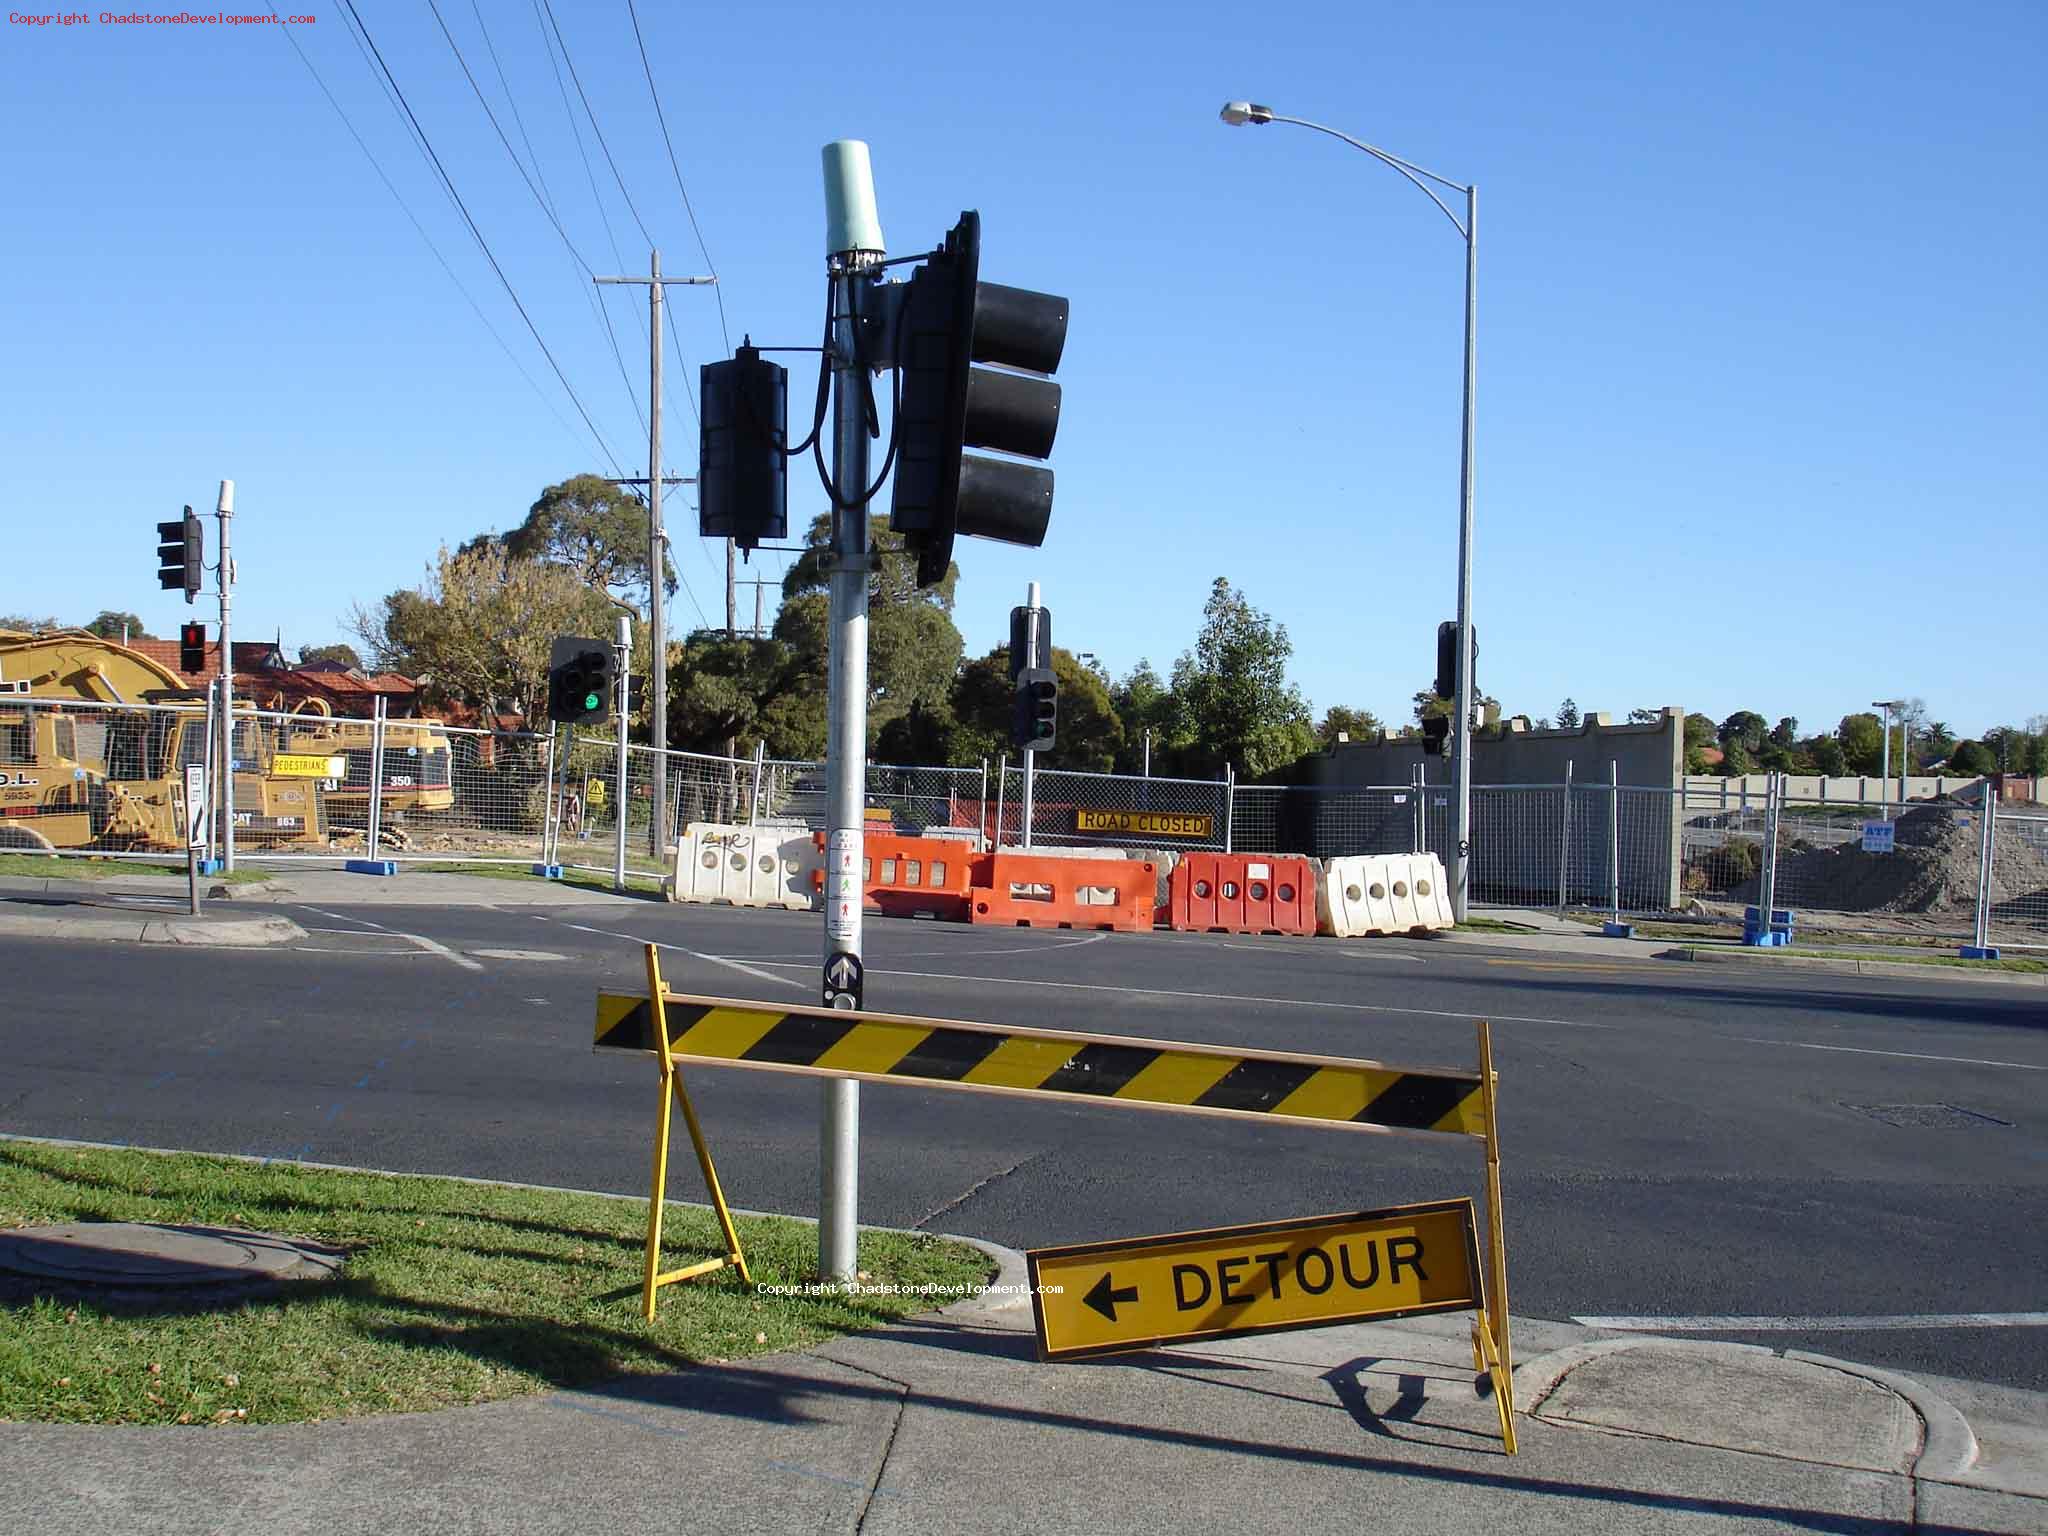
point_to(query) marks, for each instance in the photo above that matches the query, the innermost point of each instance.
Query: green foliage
(1354, 724)
(1785, 733)
(1699, 735)
(1971, 757)
(110, 624)
(596, 529)
(1746, 729)
(1826, 755)
(1862, 739)
(1144, 703)
(1568, 718)
(1091, 735)
(720, 690)
(479, 630)
(1231, 691)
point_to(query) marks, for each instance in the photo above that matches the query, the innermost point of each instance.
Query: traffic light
(581, 674)
(1436, 729)
(742, 458)
(1035, 710)
(1447, 659)
(1023, 652)
(952, 320)
(192, 648)
(181, 554)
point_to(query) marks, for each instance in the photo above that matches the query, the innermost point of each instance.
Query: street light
(1885, 775)
(1238, 113)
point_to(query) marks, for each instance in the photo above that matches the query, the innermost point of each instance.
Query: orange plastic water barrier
(1242, 893)
(912, 876)
(1023, 891)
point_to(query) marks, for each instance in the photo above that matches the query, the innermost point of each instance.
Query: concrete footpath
(949, 1424)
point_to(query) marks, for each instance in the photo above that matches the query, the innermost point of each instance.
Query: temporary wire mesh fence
(1076, 809)
(1897, 871)
(2017, 911)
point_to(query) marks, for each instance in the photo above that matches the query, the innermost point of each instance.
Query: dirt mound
(1933, 868)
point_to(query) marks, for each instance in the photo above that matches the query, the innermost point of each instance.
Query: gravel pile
(1934, 868)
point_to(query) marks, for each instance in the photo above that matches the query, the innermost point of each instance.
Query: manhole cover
(1929, 1116)
(127, 1254)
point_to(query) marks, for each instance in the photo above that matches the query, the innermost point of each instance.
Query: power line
(478, 235)
(661, 118)
(545, 206)
(406, 208)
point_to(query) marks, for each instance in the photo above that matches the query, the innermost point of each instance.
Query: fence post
(1767, 887)
(1987, 863)
(1614, 841)
(1419, 778)
(981, 810)
(760, 764)
(1564, 843)
(1229, 802)
(375, 826)
(1002, 794)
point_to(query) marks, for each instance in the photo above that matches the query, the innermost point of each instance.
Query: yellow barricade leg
(672, 1083)
(1492, 1327)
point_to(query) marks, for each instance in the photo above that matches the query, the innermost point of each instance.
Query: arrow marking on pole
(1104, 1300)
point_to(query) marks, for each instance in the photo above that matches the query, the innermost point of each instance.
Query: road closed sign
(1102, 1298)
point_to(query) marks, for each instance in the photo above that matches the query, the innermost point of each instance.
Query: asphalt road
(1677, 1140)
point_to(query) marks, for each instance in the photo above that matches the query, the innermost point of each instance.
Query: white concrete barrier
(1382, 893)
(745, 866)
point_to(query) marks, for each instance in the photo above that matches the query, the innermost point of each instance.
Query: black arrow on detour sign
(1103, 1299)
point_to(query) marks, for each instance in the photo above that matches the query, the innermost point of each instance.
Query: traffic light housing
(181, 555)
(1436, 730)
(1447, 659)
(581, 675)
(192, 648)
(950, 321)
(1035, 718)
(743, 442)
(1022, 652)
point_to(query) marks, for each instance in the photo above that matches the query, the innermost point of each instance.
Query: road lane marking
(343, 917)
(1884, 1323)
(433, 947)
(1222, 997)
(612, 933)
(518, 954)
(1864, 1050)
(1348, 954)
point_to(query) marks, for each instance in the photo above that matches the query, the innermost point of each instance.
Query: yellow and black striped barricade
(1334, 1092)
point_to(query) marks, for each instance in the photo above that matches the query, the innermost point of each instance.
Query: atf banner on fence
(1100, 1298)
(934, 1053)
(1145, 823)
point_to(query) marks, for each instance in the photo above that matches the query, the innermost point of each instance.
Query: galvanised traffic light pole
(853, 252)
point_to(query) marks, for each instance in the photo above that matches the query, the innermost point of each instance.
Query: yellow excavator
(112, 777)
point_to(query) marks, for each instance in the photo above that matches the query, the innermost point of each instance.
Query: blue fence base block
(548, 871)
(1972, 952)
(371, 867)
(212, 866)
(1617, 930)
(1776, 939)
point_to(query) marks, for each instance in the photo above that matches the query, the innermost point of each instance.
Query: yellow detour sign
(1152, 823)
(1134, 1294)
(308, 765)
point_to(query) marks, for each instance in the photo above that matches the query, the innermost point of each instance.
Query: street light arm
(1414, 173)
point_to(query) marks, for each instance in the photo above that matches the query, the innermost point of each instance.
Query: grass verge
(38, 866)
(2022, 964)
(453, 1293)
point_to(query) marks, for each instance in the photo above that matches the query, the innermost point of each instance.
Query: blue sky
(1760, 324)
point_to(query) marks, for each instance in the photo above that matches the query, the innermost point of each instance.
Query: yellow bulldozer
(417, 762)
(94, 740)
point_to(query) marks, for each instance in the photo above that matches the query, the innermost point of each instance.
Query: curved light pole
(1238, 113)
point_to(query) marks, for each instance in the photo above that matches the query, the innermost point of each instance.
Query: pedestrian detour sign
(1229, 1281)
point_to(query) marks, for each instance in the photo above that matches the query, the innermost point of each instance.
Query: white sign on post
(1880, 837)
(195, 805)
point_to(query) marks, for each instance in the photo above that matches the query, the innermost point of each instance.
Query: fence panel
(1837, 878)
(1327, 822)
(2019, 881)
